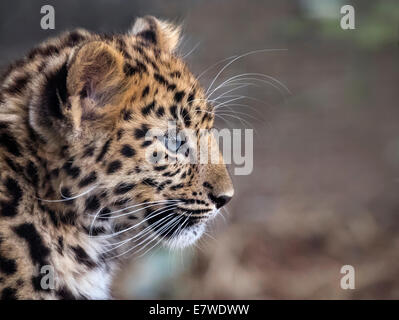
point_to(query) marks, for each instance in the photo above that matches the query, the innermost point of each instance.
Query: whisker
(255, 83)
(249, 98)
(238, 112)
(134, 211)
(211, 67)
(70, 198)
(169, 225)
(191, 51)
(137, 224)
(242, 77)
(244, 122)
(237, 58)
(162, 238)
(144, 203)
(237, 85)
(241, 105)
(208, 235)
(140, 234)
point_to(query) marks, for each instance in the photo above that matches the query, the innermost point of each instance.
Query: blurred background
(324, 189)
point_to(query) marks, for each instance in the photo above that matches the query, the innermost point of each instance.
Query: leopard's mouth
(178, 227)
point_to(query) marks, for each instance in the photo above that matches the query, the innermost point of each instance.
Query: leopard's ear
(161, 33)
(73, 96)
(96, 72)
(95, 80)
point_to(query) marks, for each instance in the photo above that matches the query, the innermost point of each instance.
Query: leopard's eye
(173, 142)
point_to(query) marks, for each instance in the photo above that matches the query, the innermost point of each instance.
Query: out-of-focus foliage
(376, 22)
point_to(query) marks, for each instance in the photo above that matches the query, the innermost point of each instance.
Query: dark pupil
(173, 143)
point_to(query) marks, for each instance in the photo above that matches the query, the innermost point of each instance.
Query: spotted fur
(73, 118)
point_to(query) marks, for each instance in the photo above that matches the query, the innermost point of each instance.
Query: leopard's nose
(220, 201)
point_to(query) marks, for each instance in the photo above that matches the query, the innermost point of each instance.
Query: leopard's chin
(187, 237)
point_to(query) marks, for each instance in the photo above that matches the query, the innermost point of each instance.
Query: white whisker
(144, 203)
(137, 224)
(235, 59)
(137, 210)
(70, 198)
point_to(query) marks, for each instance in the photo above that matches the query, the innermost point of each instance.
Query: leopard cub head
(133, 123)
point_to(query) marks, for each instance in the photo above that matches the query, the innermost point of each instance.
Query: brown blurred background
(324, 190)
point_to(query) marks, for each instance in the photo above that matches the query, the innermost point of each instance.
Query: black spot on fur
(140, 133)
(124, 188)
(160, 111)
(36, 282)
(207, 185)
(122, 202)
(9, 209)
(9, 142)
(177, 186)
(147, 109)
(103, 150)
(186, 117)
(179, 96)
(160, 79)
(88, 152)
(150, 182)
(73, 39)
(18, 85)
(82, 257)
(141, 66)
(128, 151)
(160, 168)
(71, 171)
(66, 192)
(37, 250)
(95, 231)
(173, 111)
(190, 99)
(171, 174)
(92, 203)
(13, 166)
(46, 51)
(65, 294)
(114, 166)
(119, 134)
(55, 172)
(129, 70)
(8, 294)
(53, 217)
(92, 177)
(60, 247)
(145, 91)
(31, 171)
(146, 143)
(127, 114)
(105, 213)
(122, 48)
(7, 266)
(171, 87)
(175, 74)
